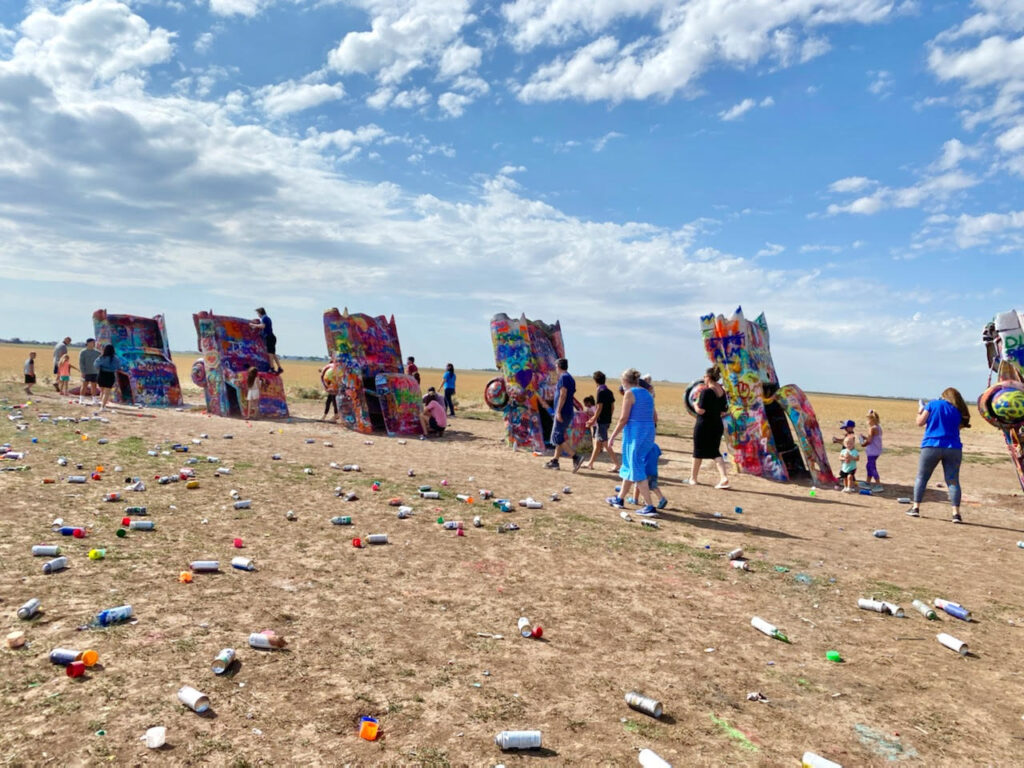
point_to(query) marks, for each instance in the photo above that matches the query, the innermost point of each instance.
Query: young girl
(30, 372)
(329, 379)
(590, 406)
(64, 368)
(872, 443)
(448, 383)
(253, 382)
(107, 366)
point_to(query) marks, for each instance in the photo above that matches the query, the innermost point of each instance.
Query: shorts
(90, 377)
(106, 379)
(558, 433)
(65, 378)
(271, 341)
(601, 432)
(844, 474)
(30, 378)
(433, 428)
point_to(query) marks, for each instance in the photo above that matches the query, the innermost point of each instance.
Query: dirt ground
(392, 631)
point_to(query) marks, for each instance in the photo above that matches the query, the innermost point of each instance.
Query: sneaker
(577, 462)
(913, 512)
(663, 503)
(633, 500)
(957, 518)
(615, 501)
(648, 511)
(553, 464)
(691, 481)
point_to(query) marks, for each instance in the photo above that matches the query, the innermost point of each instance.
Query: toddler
(849, 457)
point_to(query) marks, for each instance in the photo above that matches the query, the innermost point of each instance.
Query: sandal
(723, 486)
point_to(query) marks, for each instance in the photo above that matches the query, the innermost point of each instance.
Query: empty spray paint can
(452, 525)
(351, 468)
(525, 627)
(881, 533)
(77, 478)
(377, 538)
(650, 759)
(342, 520)
(243, 504)
(141, 525)
(531, 504)
(265, 641)
(953, 609)
(242, 564)
(192, 484)
(97, 554)
(404, 512)
(135, 511)
(644, 704)
(45, 550)
(478, 521)
(925, 610)
(769, 629)
(811, 760)
(235, 494)
(57, 564)
(193, 699)
(223, 661)
(739, 565)
(29, 609)
(518, 740)
(952, 643)
(649, 523)
(114, 615)
(204, 566)
(430, 494)
(736, 554)
(72, 530)
(65, 656)
(872, 605)
(112, 496)
(893, 609)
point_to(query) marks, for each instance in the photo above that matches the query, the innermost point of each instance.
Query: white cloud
(737, 110)
(344, 140)
(203, 42)
(453, 104)
(881, 83)
(979, 230)
(411, 99)
(851, 184)
(406, 36)
(247, 8)
(1011, 140)
(602, 142)
(771, 249)
(767, 101)
(689, 38)
(288, 97)
(955, 152)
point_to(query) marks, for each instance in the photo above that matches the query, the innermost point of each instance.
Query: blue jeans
(930, 458)
(448, 402)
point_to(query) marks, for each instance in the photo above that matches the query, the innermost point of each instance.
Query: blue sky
(851, 167)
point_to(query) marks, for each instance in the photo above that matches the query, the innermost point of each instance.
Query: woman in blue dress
(637, 421)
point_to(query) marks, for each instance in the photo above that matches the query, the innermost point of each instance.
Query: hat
(848, 424)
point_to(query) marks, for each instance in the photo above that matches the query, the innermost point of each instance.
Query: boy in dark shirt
(601, 420)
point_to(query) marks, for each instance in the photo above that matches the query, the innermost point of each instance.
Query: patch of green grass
(501, 708)
(643, 728)
(487, 415)
(885, 590)
(185, 644)
(130, 448)
(430, 757)
(982, 458)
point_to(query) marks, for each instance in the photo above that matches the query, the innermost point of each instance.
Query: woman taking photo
(942, 420)
(708, 431)
(637, 421)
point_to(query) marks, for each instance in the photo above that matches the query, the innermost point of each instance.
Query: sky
(852, 168)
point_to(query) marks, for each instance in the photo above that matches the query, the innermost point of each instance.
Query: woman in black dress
(707, 432)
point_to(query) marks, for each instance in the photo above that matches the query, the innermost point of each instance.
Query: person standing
(411, 369)
(253, 384)
(602, 420)
(565, 390)
(942, 420)
(90, 376)
(448, 385)
(708, 431)
(329, 379)
(107, 366)
(637, 422)
(64, 368)
(872, 443)
(30, 372)
(59, 350)
(266, 325)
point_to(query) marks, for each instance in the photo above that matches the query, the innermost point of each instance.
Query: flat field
(395, 631)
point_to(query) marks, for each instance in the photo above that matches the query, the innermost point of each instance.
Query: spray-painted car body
(374, 392)
(229, 347)
(526, 353)
(148, 376)
(1002, 403)
(772, 430)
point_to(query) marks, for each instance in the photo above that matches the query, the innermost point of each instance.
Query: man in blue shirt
(266, 325)
(565, 390)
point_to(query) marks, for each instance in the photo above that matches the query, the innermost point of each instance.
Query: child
(329, 379)
(872, 443)
(590, 406)
(30, 372)
(253, 383)
(849, 457)
(64, 368)
(652, 475)
(847, 426)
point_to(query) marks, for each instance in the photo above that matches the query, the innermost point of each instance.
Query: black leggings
(331, 400)
(448, 403)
